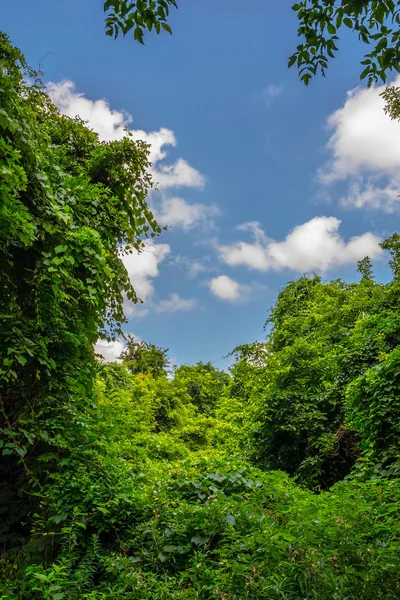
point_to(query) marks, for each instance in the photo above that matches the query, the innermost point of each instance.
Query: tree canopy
(143, 357)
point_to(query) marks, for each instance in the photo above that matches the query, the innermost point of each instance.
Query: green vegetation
(279, 480)
(124, 16)
(376, 23)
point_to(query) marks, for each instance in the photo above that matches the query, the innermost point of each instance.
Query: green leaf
(138, 35)
(166, 27)
(366, 72)
(381, 44)
(135, 559)
(230, 519)
(199, 541)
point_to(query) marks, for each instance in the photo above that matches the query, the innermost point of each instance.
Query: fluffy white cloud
(315, 245)
(364, 137)
(109, 351)
(175, 303)
(253, 254)
(177, 175)
(225, 288)
(364, 147)
(113, 125)
(142, 268)
(176, 212)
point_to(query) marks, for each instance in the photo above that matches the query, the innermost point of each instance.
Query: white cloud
(175, 303)
(176, 212)
(192, 267)
(111, 351)
(315, 245)
(253, 255)
(113, 125)
(364, 137)
(142, 268)
(195, 268)
(368, 193)
(177, 175)
(365, 148)
(225, 288)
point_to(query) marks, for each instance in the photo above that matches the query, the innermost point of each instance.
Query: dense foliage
(142, 357)
(70, 206)
(329, 347)
(278, 480)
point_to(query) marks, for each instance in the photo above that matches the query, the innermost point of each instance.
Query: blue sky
(260, 178)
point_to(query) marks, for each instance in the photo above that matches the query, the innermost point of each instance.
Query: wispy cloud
(175, 303)
(271, 92)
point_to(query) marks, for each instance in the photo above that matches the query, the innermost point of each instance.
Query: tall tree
(70, 205)
(204, 383)
(146, 358)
